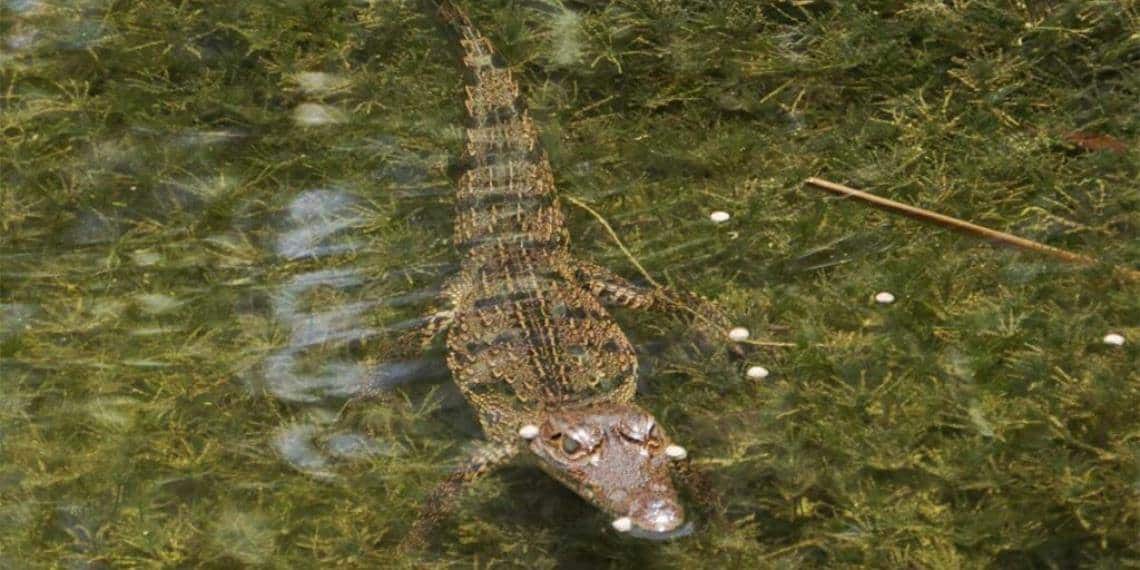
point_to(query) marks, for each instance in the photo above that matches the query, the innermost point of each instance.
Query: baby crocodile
(529, 341)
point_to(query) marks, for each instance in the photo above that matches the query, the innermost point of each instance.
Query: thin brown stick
(617, 240)
(959, 225)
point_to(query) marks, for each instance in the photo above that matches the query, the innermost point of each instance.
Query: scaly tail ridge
(506, 194)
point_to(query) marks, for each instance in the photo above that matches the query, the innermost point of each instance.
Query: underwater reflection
(323, 316)
(316, 217)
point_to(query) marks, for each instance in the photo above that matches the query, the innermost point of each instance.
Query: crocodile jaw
(614, 456)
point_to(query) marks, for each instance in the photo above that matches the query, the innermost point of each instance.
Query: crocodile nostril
(658, 515)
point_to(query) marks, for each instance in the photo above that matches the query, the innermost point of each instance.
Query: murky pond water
(219, 220)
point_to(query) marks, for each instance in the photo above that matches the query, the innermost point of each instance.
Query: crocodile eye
(654, 439)
(570, 446)
(638, 431)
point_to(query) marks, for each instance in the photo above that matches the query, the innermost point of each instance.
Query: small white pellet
(757, 373)
(720, 216)
(1114, 339)
(676, 452)
(317, 114)
(738, 334)
(884, 298)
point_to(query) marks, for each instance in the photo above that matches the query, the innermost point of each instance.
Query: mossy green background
(151, 151)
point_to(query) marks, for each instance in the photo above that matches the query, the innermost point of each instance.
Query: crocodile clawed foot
(712, 329)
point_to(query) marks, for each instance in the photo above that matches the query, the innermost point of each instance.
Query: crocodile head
(617, 458)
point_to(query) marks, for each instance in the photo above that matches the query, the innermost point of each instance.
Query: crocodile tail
(455, 18)
(479, 55)
(507, 189)
(492, 93)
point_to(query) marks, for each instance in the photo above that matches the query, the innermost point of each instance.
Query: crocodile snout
(655, 519)
(657, 514)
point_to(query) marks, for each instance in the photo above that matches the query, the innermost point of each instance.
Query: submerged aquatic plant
(176, 349)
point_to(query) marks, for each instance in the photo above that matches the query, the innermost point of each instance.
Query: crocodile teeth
(676, 452)
(624, 524)
(528, 431)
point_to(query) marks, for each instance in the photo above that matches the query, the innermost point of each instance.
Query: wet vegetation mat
(219, 217)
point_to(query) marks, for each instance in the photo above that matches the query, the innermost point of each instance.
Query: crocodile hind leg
(614, 290)
(416, 341)
(420, 338)
(445, 497)
(423, 335)
(438, 322)
(405, 353)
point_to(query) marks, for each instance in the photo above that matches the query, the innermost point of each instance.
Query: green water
(218, 217)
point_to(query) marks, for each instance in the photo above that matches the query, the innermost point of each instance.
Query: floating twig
(617, 240)
(960, 225)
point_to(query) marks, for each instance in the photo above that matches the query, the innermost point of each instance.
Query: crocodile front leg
(444, 498)
(614, 290)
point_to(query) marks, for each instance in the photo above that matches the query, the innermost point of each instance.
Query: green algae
(216, 215)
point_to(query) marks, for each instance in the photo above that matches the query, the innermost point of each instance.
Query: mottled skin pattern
(530, 342)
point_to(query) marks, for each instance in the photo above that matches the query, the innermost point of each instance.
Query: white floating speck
(528, 431)
(757, 373)
(158, 303)
(624, 524)
(145, 257)
(1114, 339)
(319, 81)
(738, 334)
(720, 216)
(884, 298)
(316, 115)
(676, 452)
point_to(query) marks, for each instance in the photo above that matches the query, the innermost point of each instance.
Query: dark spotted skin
(529, 340)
